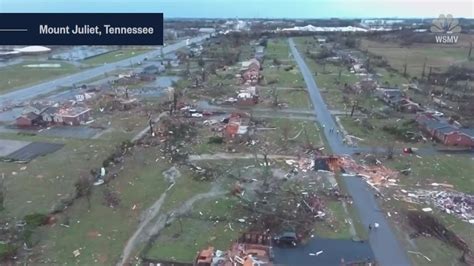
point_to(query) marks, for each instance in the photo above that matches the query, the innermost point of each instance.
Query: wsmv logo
(446, 29)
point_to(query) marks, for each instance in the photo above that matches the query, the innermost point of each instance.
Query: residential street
(384, 243)
(31, 92)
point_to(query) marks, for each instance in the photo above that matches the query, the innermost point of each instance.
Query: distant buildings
(28, 50)
(381, 22)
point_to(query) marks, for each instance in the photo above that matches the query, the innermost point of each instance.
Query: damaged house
(73, 116)
(29, 119)
(250, 72)
(445, 132)
(247, 96)
(236, 128)
(397, 99)
(390, 96)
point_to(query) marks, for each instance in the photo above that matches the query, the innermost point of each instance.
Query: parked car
(286, 238)
(196, 115)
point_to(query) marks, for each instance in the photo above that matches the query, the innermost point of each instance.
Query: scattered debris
(76, 253)
(419, 254)
(427, 209)
(456, 203)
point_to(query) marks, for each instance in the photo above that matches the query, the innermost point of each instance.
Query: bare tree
(274, 96)
(405, 65)
(84, 188)
(389, 151)
(470, 51)
(285, 132)
(2, 192)
(424, 69)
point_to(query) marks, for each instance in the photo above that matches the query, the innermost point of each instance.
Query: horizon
(256, 9)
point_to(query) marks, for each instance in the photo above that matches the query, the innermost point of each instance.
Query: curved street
(30, 92)
(384, 243)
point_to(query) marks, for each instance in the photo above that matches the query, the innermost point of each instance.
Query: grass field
(377, 136)
(114, 56)
(283, 78)
(101, 232)
(452, 169)
(18, 75)
(437, 56)
(277, 49)
(45, 180)
(295, 98)
(206, 225)
(313, 134)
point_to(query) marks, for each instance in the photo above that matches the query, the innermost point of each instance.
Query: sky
(253, 8)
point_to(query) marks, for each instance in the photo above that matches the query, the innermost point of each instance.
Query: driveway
(31, 92)
(384, 243)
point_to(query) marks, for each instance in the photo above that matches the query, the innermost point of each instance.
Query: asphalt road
(383, 241)
(30, 92)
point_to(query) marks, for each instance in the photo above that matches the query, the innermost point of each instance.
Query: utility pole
(424, 66)
(470, 51)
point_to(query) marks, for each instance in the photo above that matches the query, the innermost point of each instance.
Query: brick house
(236, 128)
(27, 120)
(444, 132)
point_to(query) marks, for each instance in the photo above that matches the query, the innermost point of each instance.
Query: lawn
(296, 128)
(298, 99)
(46, 180)
(101, 232)
(452, 169)
(336, 227)
(372, 137)
(40, 184)
(438, 56)
(439, 252)
(277, 49)
(390, 78)
(114, 56)
(18, 75)
(206, 225)
(283, 78)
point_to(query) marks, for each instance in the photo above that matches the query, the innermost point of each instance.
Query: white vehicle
(196, 115)
(435, 113)
(231, 100)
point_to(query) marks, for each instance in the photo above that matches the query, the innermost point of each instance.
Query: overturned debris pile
(456, 203)
(426, 224)
(252, 249)
(375, 175)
